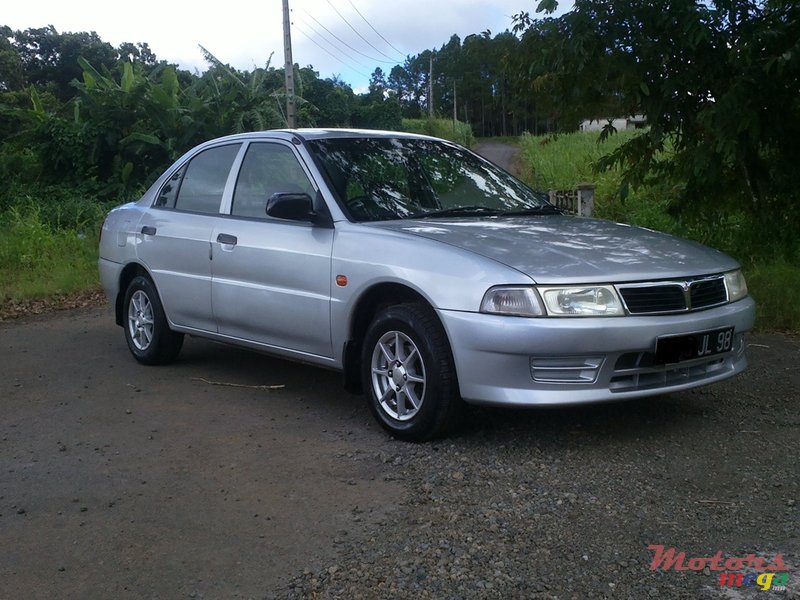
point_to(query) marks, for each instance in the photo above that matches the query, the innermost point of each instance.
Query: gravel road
(505, 155)
(199, 480)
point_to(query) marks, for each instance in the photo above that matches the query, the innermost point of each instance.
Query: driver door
(271, 278)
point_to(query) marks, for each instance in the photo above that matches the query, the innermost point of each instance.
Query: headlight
(737, 288)
(572, 301)
(582, 301)
(518, 301)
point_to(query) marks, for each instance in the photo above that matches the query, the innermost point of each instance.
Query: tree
(718, 82)
(377, 84)
(549, 107)
(327, 102)
(239, 101)
(50, 59)
(479, 72)
(402, 84)
(11, 74)
(139, 52)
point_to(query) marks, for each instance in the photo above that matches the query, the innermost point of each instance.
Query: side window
(267, 169)
(203, 181)
(168, 193)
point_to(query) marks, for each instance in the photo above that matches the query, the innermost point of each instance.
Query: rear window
(198, 186)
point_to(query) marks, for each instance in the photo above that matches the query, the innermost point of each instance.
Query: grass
(775, 286)
(49, 247)
(772, 272)
(563, 161)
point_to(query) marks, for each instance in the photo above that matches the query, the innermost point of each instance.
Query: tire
(413, 392)
(147, 332)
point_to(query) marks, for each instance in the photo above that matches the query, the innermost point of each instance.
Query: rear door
(174, 237)
(271, 278)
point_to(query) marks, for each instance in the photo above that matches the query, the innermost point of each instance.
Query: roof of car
(317, 134)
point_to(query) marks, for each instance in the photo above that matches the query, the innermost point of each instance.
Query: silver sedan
(424, 273)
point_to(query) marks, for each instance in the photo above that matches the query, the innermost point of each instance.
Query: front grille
(650, 379)
(659, 298)
(636, 371)
(708, 292)
(674, 296)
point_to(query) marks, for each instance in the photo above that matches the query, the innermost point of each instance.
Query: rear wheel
(147, 332)
(408, 373)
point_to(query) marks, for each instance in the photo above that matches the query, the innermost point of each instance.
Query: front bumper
(517, 361)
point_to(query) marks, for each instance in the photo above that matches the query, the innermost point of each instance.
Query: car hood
(563, 249)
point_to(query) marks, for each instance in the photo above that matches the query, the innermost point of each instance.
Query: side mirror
(292, 206)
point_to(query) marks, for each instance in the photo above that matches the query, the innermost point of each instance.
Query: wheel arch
(131, 271)
(371, 301)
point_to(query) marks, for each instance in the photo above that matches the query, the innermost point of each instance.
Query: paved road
(123, 481)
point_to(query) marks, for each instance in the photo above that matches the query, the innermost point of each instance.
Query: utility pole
(288, 67)
(430, 88)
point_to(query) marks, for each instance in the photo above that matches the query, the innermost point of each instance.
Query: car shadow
(651, 417)
(321, 390)
(222, 364)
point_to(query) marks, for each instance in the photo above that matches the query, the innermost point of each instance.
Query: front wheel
(147, 332)
(408, 373)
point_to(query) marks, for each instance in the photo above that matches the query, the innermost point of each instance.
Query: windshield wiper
(458, 211)
(547, 209)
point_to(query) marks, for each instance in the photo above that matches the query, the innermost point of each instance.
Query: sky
(244, 34)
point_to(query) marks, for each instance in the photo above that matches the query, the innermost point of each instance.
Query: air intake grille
(708, 292)
(674, 296)
(659, 298)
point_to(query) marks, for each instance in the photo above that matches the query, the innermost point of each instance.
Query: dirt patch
(506, 156)
(14, 309)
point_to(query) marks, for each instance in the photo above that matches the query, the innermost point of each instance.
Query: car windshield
(395, 178)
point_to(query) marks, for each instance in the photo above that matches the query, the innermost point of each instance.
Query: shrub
(39, 257)
(461, 133)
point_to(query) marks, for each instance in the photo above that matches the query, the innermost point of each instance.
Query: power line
(330, 43)
(348, 45)
(375, 30)
(329, 53)
(358, 33)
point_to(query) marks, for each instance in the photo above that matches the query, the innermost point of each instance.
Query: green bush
(39, 258)
(59, 207)
(562, 161)
(775, 286)
(461, 133)
(50, 241)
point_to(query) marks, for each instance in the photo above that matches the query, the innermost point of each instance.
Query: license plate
(679, 348)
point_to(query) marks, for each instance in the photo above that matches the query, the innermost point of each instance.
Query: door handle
(147, 230)
(224, 238)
